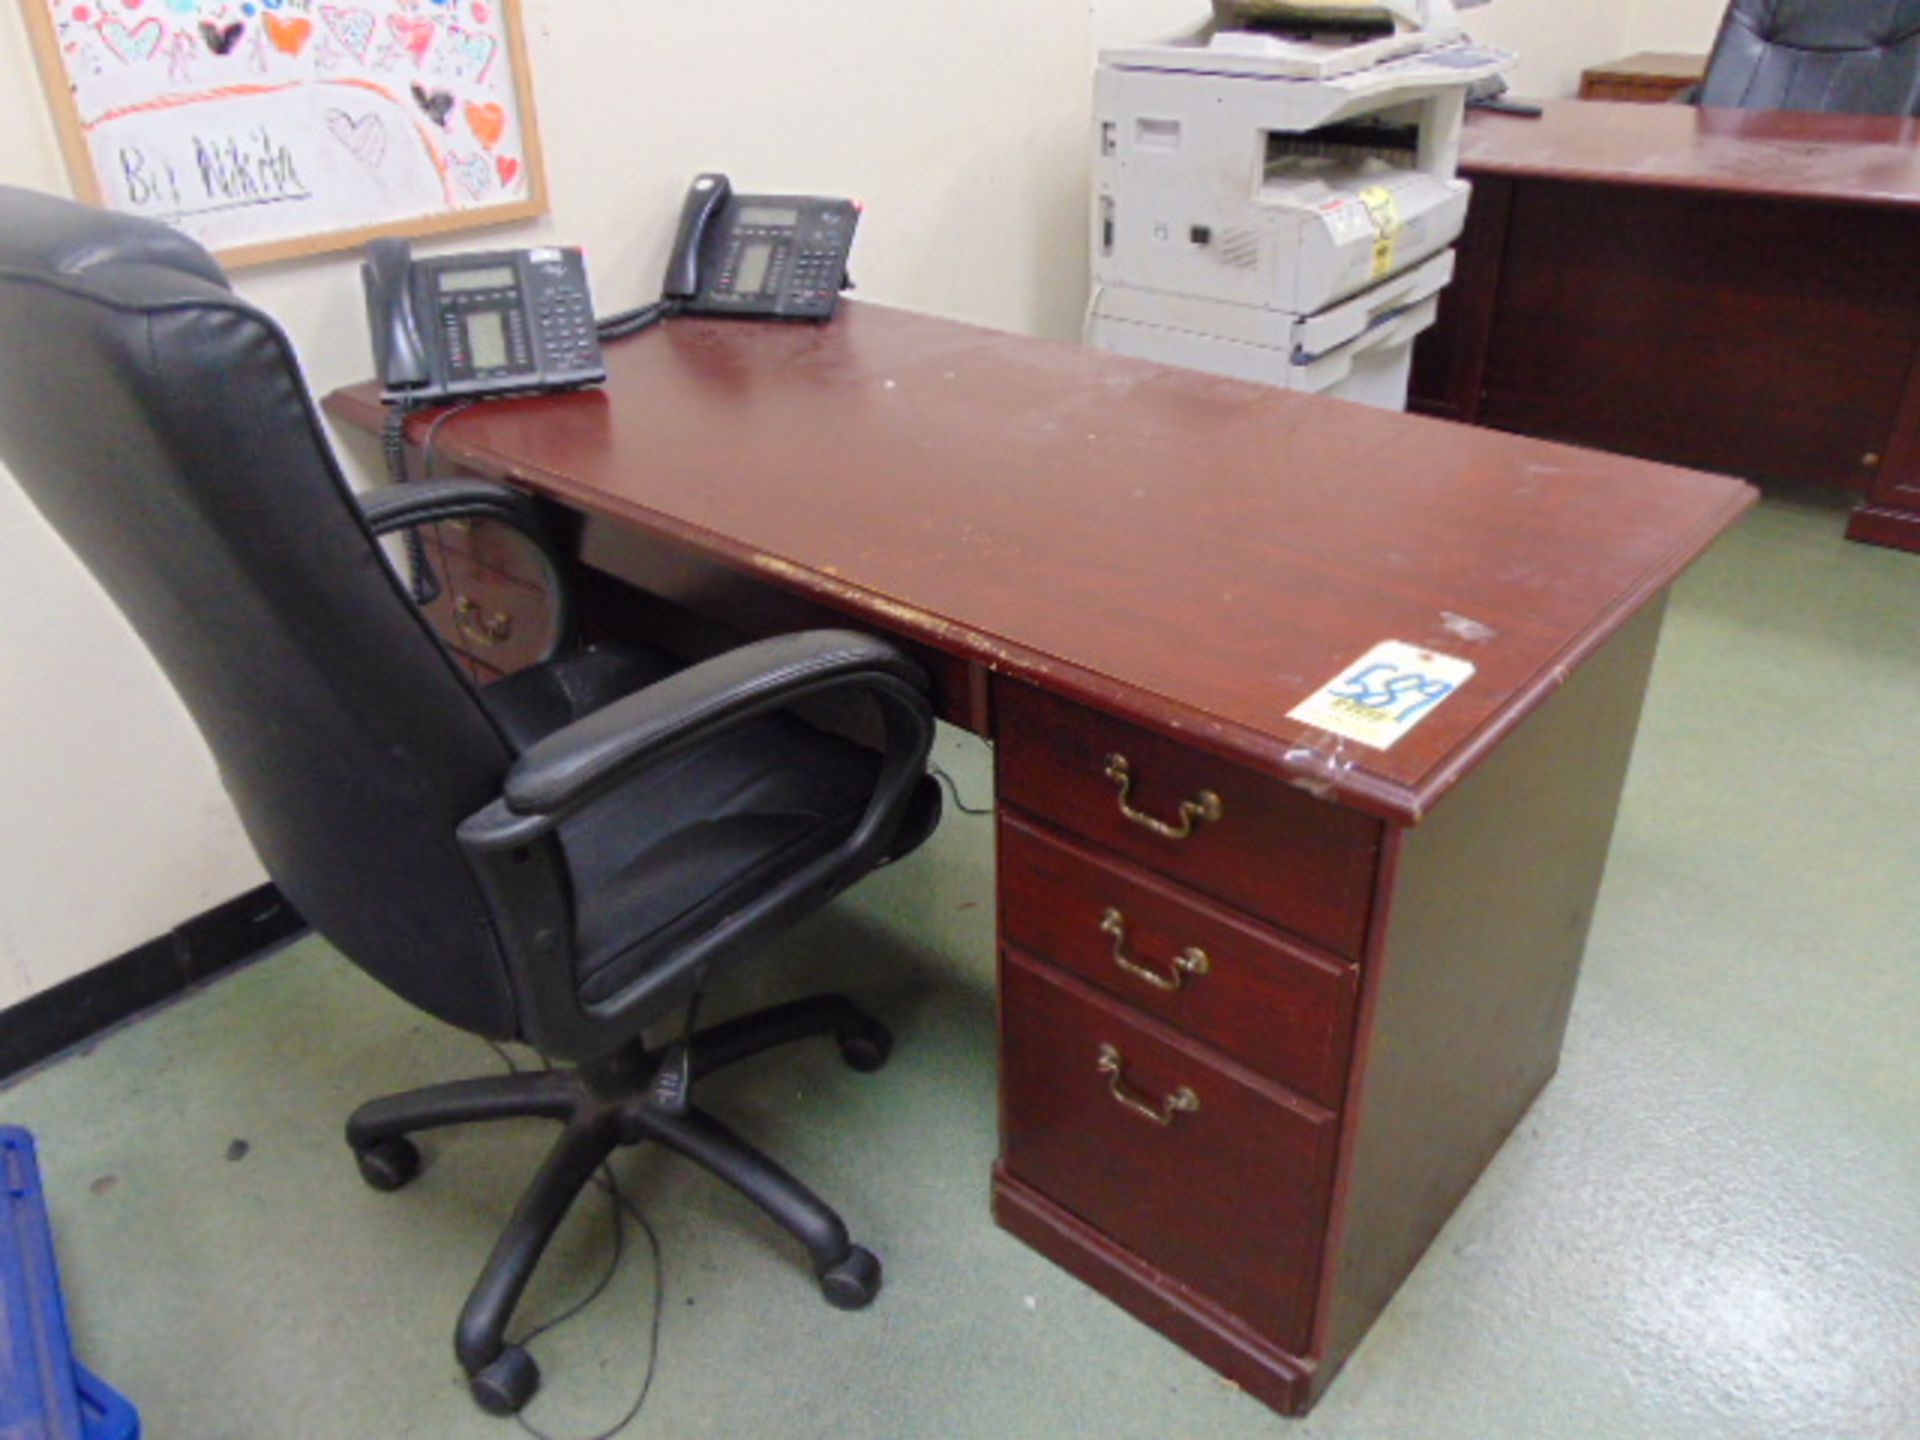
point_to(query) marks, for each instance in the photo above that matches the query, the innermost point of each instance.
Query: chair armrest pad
(574, 764)
(424, 502)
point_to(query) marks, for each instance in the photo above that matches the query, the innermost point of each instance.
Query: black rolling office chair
(1851, 57)
(561, 858)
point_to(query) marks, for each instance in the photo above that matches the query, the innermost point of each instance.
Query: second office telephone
(779, 256)
(457, 327)
(773, 257)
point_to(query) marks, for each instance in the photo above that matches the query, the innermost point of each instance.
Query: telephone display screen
(770, 215)
(487, 339)
(753, 269)
(493, 277)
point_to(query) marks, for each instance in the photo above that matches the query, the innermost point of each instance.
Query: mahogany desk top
(1791, 155)
(1195, 553)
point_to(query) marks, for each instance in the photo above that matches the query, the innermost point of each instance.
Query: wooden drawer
(497, 547)
(1274, 851)
(1228, 1198)
(500, 623)
(1275, 1007)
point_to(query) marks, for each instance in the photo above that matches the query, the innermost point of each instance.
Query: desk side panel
(1450, 360)
(1464, 1010)
(1754, 337)
(1890, 514)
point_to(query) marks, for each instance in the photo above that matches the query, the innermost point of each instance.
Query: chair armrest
(430, 502)
(575, 765)
(427, 502)
(519, 862)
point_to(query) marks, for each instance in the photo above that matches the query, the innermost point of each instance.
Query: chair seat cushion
(533, 703)
(669, 854)
(666, 856)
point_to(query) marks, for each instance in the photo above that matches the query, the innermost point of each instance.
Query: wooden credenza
(1269, 1000)
(1649, 78)
(1724, 289)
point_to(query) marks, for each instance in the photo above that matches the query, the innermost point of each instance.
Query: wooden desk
(1728, 289)
(1649, 78)
(1101, 558)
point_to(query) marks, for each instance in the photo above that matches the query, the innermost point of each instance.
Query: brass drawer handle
(481, 628)
(1202, 808)
(1190, 961)
(1114, 1068)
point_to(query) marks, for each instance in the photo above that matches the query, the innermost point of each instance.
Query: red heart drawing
(415, 36)
(507, 167)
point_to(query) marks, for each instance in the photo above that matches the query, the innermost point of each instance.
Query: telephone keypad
(516, 320)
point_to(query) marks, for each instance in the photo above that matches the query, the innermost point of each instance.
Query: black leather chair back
(1852, 57)
(162, 426)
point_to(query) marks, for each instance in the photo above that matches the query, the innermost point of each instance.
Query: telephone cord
(632, 322)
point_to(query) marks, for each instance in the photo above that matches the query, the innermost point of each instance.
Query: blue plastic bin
(104, 1412)
(38, 1400)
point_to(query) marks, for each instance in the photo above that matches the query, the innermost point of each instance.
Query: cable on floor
(621, 1207)
(953, 789)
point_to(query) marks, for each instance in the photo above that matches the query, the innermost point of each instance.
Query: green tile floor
(1708, 1226)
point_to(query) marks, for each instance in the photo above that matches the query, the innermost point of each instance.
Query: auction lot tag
(1383, 694)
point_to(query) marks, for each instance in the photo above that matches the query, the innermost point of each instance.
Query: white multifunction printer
(1275, 195)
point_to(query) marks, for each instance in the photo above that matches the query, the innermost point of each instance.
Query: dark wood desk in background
(1729, 289)
(1649, 78)
(1126, 576)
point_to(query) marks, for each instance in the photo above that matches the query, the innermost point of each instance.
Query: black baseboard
(43, 1025)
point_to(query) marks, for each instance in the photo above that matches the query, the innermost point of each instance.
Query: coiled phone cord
(632, 322)
(421, 579)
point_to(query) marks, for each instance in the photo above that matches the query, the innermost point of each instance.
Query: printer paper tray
(1304, 335)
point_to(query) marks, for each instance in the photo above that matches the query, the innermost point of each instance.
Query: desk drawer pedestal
(1251, 1155)
(1165, 1147)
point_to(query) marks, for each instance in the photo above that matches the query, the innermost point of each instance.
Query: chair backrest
(1851, 57)
(162, 426)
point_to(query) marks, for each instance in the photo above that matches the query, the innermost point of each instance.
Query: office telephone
(459, 327)
(776, 256)
(462, 327)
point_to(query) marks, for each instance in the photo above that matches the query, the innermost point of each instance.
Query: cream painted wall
(1684, 26)
(961, 127)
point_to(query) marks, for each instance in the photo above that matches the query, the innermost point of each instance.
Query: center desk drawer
(1273, 850)
(1275, 1007)
(1213, 1177)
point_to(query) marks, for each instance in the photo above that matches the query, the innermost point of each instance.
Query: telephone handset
(458, 327)
(778, 256)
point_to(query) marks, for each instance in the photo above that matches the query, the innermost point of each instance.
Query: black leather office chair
(1851, 57)
(561, 858)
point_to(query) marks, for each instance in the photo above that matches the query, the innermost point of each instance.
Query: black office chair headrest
(42, 235)
(1830, 25)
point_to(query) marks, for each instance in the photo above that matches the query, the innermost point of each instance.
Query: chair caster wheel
(507, 1384)
(852, 1284)
(867, 1048)
(389, 1164)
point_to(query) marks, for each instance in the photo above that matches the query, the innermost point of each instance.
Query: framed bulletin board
(272, 128)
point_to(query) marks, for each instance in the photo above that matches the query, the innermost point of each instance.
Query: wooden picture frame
(217, 116)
